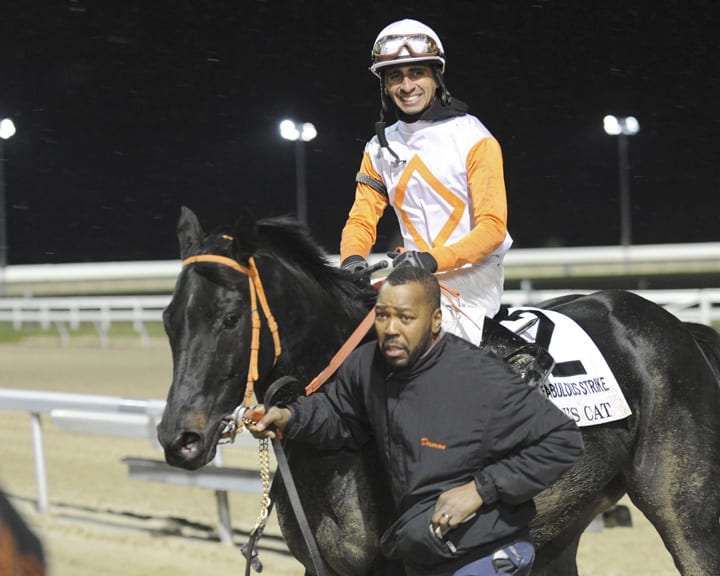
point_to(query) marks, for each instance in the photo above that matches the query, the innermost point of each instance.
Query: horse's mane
(290, 242)
(708, 341)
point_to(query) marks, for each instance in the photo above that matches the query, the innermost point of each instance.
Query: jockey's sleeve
(360, 231)
(489, 209)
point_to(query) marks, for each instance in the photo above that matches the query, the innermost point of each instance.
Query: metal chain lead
(264, 453)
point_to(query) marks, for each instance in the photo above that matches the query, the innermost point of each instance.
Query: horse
(21, 550)
(665, 456)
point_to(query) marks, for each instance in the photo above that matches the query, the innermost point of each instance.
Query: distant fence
(66, 314)
(689, 305)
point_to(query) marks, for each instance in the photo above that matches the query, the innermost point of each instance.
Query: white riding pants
(477, 294)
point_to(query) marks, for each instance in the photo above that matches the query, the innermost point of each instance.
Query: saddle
(581, 383)
(531, 360)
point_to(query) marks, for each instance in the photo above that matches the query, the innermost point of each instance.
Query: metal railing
(121, 416)
(125, 418)
(598, 263)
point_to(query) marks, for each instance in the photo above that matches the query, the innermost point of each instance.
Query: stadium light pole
(622, 127)
(300, 133)
(7, 130)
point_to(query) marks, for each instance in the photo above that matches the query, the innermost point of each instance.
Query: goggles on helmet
(417, 46)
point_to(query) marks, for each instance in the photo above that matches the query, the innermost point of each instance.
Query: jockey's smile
(412, 88)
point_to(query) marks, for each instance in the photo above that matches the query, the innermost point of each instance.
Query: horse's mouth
(192, 450)
(190, 444)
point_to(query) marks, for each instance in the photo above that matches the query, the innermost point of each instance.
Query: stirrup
(532, 362)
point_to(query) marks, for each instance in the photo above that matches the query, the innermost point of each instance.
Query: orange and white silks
(450, 200)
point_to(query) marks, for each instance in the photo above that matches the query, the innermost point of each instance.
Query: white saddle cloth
(581, 384)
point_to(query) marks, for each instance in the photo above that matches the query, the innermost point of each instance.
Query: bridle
(257, 293)
(232, 423)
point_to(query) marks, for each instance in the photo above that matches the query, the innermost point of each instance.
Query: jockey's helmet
(406, 41)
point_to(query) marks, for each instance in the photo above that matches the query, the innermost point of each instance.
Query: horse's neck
(320, 344)
(312, 339)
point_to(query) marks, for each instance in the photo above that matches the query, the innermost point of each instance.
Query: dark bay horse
(665, 456)
(21, 550)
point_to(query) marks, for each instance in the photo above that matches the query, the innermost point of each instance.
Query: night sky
(126, 110)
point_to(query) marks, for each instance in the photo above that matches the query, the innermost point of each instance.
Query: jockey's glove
(354, 264)
(414, 258)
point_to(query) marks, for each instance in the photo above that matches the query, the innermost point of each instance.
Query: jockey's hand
(354, 264)
(456, 506)
(414, 258)
(274, 418)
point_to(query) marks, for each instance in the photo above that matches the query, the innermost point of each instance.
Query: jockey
(441, 170)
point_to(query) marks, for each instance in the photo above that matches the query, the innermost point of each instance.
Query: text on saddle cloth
(581, 384)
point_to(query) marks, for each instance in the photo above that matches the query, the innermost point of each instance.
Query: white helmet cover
(406, 41)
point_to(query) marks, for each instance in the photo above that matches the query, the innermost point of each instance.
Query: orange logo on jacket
(425, 441)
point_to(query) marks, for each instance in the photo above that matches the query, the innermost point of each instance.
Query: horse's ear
(244, 232)
(189, 233)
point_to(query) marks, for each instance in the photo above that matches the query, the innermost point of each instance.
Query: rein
(257, 292)
(344, 351)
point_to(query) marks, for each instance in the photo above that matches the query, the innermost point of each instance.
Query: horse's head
(251, 303)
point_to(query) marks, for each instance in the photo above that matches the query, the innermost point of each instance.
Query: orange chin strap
(256, 293)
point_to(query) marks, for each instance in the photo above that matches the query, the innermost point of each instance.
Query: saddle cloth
(581, 384)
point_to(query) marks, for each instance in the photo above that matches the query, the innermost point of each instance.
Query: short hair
(407, 274)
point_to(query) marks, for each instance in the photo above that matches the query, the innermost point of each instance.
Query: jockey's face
(405, 323)
(412, 88)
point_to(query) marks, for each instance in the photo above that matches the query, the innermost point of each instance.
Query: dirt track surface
(103, 524)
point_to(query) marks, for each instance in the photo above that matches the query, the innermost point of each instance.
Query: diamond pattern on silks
(416, 168)
(582, 384)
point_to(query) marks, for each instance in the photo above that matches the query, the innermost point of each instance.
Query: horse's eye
(230, 320)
